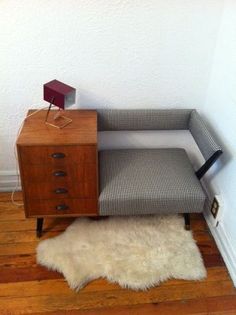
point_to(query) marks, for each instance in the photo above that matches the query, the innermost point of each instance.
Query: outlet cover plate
(216, 210)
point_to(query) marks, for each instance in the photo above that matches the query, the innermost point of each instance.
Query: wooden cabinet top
(82, 130)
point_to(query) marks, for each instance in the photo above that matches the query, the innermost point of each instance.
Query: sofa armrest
(205, 141)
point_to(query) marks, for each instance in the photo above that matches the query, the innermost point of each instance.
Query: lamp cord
(16, 159)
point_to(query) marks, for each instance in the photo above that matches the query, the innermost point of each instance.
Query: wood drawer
(61, 175)
(75, 207)
(57, 155)
(49, 190)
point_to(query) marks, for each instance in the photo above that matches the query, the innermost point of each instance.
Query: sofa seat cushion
(148, 181)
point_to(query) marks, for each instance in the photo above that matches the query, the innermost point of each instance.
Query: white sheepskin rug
(136, 252)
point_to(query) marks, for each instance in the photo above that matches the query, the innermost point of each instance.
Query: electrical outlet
(215, 207)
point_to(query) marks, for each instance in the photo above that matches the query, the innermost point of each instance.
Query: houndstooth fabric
(143, 119)
(160, 119)
(202, 136)
(148, 181)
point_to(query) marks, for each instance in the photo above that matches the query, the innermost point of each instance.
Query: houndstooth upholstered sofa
(153, 181)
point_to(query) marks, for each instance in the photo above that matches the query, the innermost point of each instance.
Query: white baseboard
(225, 247)
(9, 181)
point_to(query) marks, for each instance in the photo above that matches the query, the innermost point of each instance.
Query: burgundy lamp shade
(59, 94)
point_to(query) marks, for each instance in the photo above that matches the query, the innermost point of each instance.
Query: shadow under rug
(136, 252)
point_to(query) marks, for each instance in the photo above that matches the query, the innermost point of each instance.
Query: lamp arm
(49, 108)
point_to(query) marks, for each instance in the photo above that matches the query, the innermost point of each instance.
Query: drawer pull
(62, 207)
(59, 174)
(61, 191)
(58, 155)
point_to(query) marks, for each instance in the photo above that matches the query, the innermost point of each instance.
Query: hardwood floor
(26, 287)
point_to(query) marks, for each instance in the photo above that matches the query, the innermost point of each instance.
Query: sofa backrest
(143, 119)
(160, 119)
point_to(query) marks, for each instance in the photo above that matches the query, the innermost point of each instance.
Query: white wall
(220, 111)
(117, 53)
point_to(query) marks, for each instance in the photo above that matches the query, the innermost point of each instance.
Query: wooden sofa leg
(39, 228)
(187, 221)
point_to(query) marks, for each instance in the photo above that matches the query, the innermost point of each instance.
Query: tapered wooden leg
(98, 218)
(187, 221)
(39, 228)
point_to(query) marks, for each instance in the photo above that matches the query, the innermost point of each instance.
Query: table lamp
(60, 95)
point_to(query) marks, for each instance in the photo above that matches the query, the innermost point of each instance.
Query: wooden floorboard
(26, 288)
(224, 305)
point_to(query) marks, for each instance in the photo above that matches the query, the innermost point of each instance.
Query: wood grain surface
(44, 151)
(82, 130)
(26, 288)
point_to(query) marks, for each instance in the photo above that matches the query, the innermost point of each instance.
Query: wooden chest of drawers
(58, 167)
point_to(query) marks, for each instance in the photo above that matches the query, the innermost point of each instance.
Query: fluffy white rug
(136, 252)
